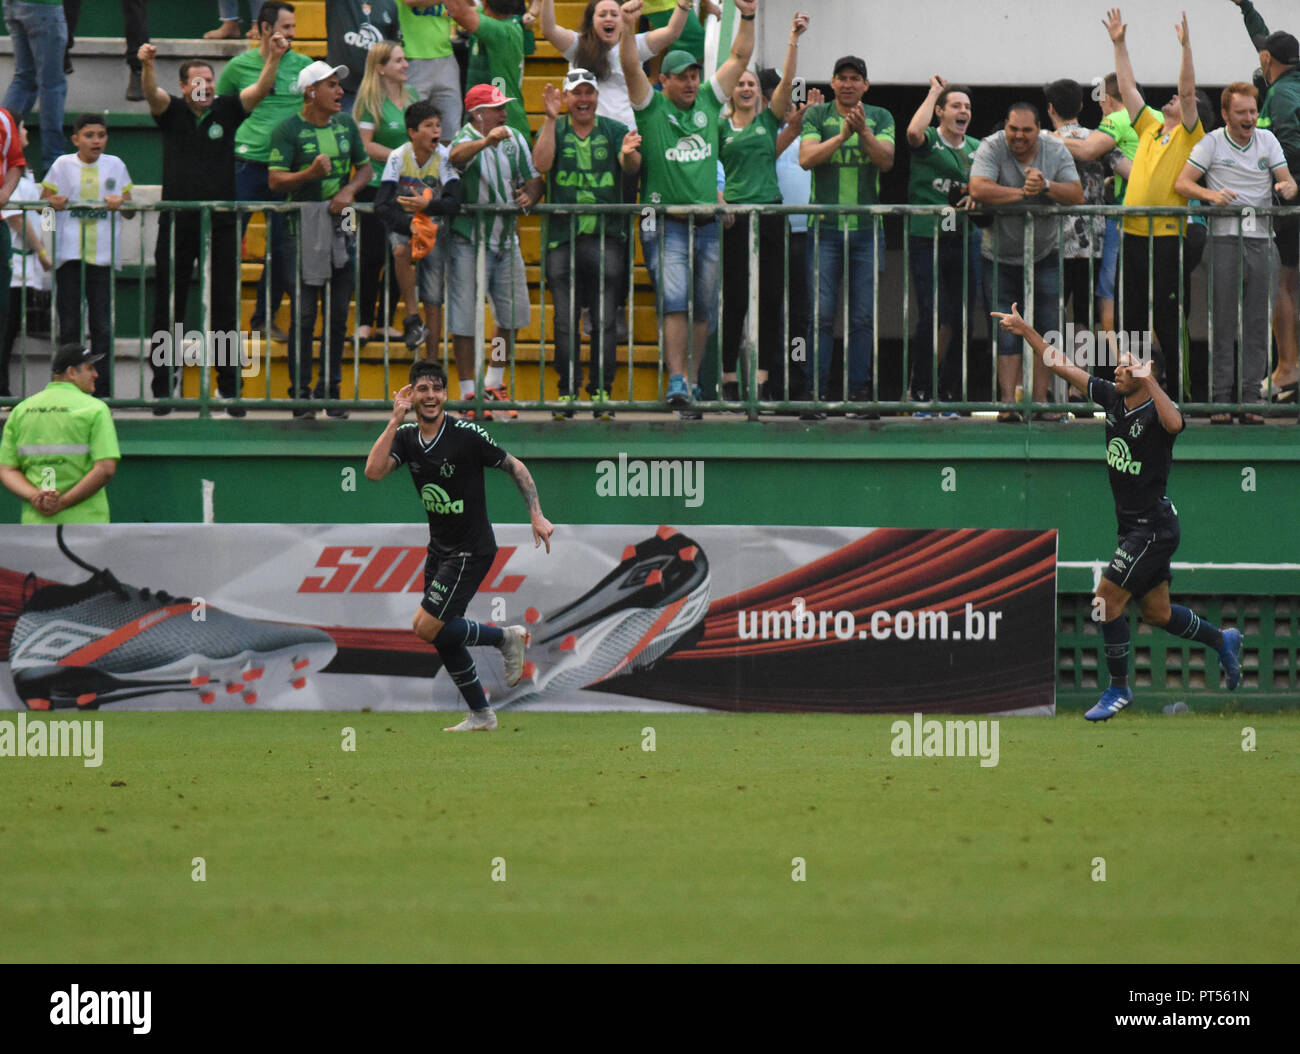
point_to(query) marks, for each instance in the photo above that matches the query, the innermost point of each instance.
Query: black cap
(853, 62)
(70, 355)
(1282, 46)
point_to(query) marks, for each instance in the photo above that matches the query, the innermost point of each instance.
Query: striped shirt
(492, 177)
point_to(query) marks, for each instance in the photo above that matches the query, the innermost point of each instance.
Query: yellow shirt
(1159, 160)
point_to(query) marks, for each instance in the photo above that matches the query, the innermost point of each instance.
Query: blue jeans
(40, 35)
(1011, 289)
(866, 256)
(675, 294)
(251, 185)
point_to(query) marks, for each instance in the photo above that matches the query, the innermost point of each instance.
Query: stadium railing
(976, 339)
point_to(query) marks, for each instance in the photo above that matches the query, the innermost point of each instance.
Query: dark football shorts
(1141, 561)
(1286, 231)
(450, 583)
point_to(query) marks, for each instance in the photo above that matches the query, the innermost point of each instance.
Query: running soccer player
(1142, 423)
(446, 456)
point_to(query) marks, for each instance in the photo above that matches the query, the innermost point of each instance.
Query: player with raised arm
(1142, 423)
(446, 457)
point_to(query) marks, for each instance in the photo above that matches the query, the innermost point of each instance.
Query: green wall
(1237, 490)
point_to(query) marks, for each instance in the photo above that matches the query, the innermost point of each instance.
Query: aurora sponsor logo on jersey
(1120, 458)
(438, 500)
(690, 148)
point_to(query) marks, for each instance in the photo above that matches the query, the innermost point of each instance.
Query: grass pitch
(685, 853)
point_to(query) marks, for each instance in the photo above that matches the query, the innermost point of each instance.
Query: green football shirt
(937, 167)
(389, 130)
(849, 177)
(426, 31)
(678, 151)
(296, 142)
(63, 429)
(496, 56)
(253, 138)
(1119, 127)
(586, 172)
(749, 160)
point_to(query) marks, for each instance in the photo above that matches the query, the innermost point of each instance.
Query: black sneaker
(134, 89)
(414, 332)
(337, 412)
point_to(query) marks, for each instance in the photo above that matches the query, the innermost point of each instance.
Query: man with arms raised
(679, 137)
(446, 457)
(1142, 423)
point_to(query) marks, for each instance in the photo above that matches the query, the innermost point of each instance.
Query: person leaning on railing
(751, 139)
(679, 129)
(88, 243)
(317, 158)
(940, 175)
(584, 157)
(1165, 140)
(1013, 169)
(847, 145)
(1242, 166)
(418, 184)
(253, 145)
(496, 166)
(198, 140)
(380, 113)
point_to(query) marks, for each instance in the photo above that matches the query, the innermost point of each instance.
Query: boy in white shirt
(1242, 166)
(88, 238)
(420, 164)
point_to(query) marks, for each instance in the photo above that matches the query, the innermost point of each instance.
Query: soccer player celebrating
(446, 457)
(1142, 423)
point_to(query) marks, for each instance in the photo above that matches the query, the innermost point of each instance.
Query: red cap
(482, 95)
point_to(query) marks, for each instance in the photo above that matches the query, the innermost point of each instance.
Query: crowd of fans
(393, 119)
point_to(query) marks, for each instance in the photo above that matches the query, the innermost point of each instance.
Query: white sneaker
(484, 720)
(513, 645)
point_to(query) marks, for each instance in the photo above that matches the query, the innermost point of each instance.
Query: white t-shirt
(437, 171)
(613, 101)
(99, 230)
(1248, 170)
(36, 277)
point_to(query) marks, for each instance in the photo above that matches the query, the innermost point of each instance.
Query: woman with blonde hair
(380, 112)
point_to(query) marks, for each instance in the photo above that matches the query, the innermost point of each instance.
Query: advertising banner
(741, 618)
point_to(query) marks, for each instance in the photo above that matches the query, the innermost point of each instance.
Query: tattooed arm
(542, 529)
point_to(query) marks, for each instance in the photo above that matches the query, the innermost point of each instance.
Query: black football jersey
(1139, 453)
(448, 476)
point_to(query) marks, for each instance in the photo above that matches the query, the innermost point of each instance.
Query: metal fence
(825, 310)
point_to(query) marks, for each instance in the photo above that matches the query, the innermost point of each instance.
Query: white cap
(317, 72)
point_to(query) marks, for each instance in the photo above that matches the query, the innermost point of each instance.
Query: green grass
(683, 854)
